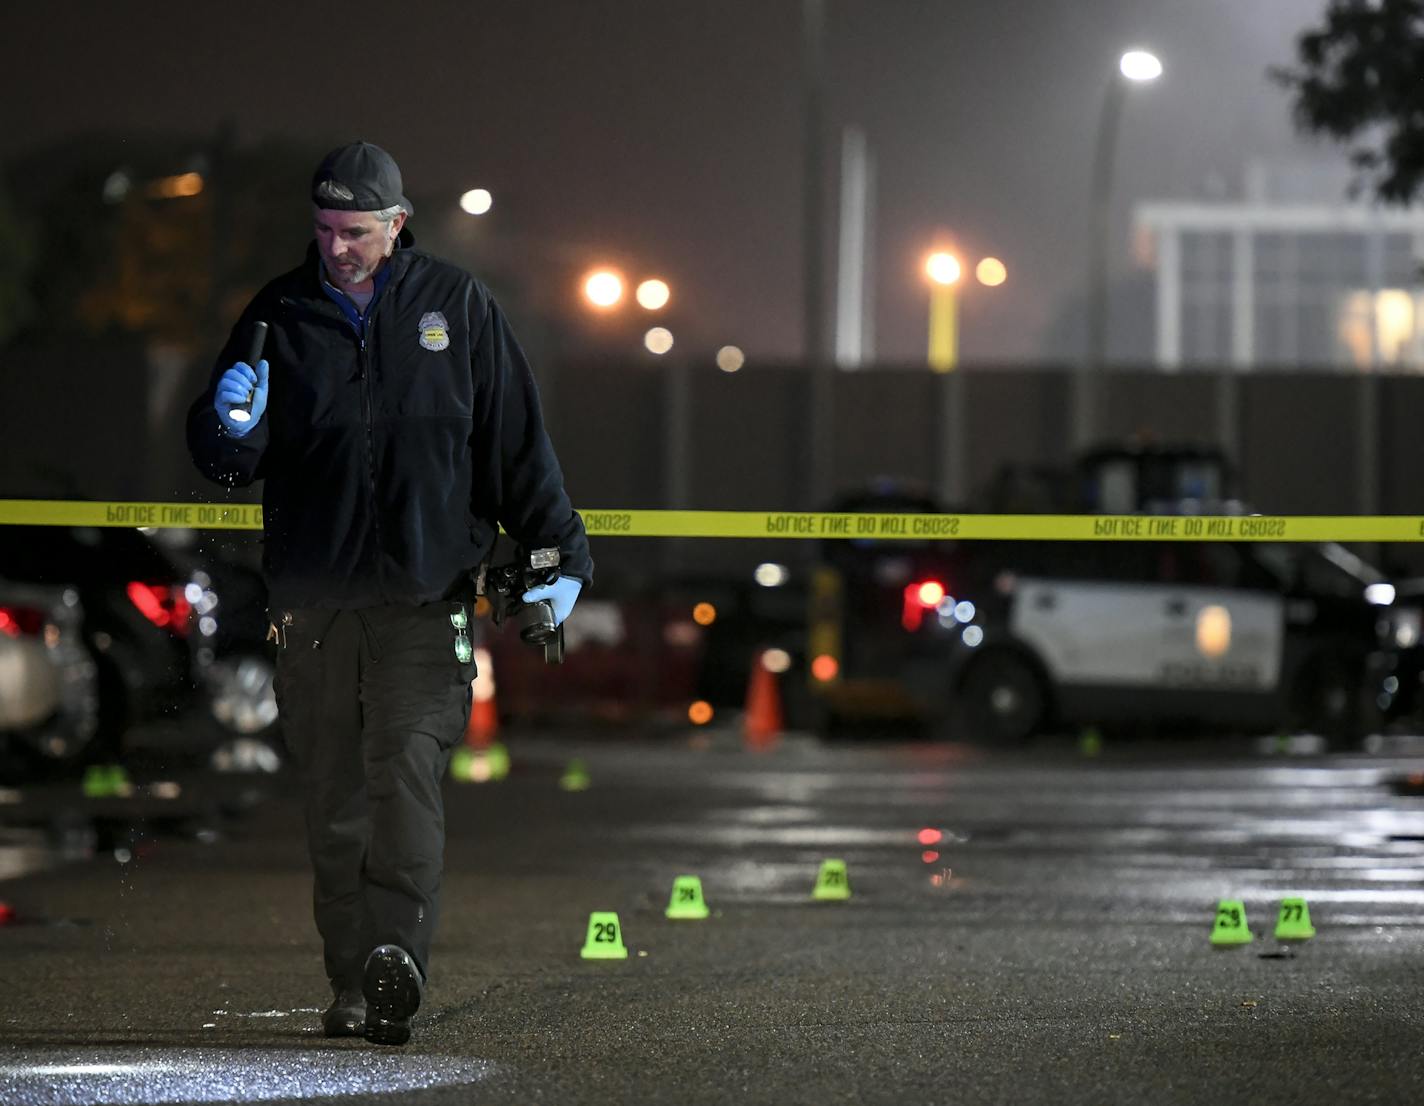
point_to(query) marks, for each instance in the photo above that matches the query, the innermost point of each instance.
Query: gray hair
(388, 215)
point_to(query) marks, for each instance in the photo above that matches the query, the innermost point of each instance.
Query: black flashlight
(243, 411)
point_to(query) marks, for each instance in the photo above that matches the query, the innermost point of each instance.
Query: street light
(945, 273)
(476, 201)
(943, 268)
(1133, 67)
(1139, 65)
(653, 294)
(991, 272)
(603, 288)
(730, 359)
(658, 340)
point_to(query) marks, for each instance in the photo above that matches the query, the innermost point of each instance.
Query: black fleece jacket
(389, 458)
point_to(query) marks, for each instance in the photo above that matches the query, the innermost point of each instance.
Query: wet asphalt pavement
(1055, 950)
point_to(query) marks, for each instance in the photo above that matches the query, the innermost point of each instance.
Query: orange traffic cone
(762, 723)
(484, 718)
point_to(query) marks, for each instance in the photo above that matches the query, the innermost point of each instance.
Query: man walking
(396, 425)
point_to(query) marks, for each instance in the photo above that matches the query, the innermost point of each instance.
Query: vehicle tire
(818, 718)
(18, 763)
(796, 703)
(1332, 701)
(1001, 701)
(108, 742)
(237, 695)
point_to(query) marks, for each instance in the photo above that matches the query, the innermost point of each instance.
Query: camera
(505, 585)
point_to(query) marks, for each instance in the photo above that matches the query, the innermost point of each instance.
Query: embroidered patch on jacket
(434, 331)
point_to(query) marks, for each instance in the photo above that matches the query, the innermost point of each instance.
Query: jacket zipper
(368, 416)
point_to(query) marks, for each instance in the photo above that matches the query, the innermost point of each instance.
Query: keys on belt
(277, 630)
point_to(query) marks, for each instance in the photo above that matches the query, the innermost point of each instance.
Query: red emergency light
(920, 596)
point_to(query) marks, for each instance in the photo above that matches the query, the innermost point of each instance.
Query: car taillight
(16, 621)
(164, 605)
(920, 596)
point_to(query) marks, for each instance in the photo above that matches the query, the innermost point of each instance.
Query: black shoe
(393, 989)
(346, 1016)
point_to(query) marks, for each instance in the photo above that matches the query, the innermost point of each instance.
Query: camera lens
(536, 622)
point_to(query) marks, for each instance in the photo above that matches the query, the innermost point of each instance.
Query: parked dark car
(49, 695)
(137, 617)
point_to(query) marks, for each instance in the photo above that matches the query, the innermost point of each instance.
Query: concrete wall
(1304, 443)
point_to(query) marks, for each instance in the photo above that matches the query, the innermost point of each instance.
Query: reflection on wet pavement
(97, 1077)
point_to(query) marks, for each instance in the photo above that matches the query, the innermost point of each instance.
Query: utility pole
(820, 455)
(854, 304)
(1088, 378)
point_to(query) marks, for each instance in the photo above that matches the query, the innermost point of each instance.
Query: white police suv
(994, 641)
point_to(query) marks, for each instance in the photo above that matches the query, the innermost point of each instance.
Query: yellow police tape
(159, 516)
(788, 524)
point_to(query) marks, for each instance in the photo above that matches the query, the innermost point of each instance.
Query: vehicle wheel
(805, 711)
(1001, 701)
(18, 764)
(817, 717)
(1331, 699)
(107, 743)
(241, 697)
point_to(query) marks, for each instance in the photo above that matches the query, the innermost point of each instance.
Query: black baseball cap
(359, 176)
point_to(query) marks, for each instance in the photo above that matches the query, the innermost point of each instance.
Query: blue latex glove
(234, 386)
(562, 593)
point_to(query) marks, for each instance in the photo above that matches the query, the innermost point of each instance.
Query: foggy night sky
(668, 132)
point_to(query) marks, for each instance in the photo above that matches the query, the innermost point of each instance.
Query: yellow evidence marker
(462, 762)
(119, 781)
(1293, 922)
(96, 782)
(832, 883)
(605, 937)
(1230, 929)
(686, 901)
(575, 777)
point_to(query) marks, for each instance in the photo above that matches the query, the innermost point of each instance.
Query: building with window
(1293, 274)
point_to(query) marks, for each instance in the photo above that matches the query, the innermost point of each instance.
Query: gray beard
(359, 276)
(355, 276)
